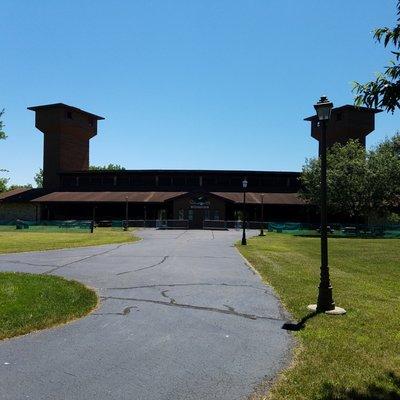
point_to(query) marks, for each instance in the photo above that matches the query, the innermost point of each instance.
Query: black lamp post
(126, 224)
(262, 216)
(244, 184)
(325, 302)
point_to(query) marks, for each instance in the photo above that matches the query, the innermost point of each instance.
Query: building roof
(160, 197)
(20, 195)
(10, 193)
(347, 107)
(108, 197)
(244, 173)
(62, 105)
(265, 198)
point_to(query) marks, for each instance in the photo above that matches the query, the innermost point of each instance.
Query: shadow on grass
(290, 326)
(387, 389)
(347, 237)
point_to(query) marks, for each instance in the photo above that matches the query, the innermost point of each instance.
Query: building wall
(212, 181)
(10, 211)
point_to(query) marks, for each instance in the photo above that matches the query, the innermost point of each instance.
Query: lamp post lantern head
(323, 108)
(244, 183)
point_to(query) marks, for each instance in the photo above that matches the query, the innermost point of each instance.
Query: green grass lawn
(30, 302)
(355, 356)
(26, 240)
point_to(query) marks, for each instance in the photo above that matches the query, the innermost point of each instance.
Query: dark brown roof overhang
(265, 198)
(161, 197)
(107, 197)
(347, 107)
(62, 105)
(21, 195)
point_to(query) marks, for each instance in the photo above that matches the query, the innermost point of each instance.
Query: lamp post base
(335, 311)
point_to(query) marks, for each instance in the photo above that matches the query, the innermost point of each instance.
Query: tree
(346, 176)
(3, 184)
(392, 144)
(3, 136)
(27, 186)
(109, 167)
(2, 133)
(384, 91)
(360, 182)
(383, 184)
(38, 178)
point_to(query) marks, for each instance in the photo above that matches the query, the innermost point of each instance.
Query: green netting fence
(293, 228)
(45, 226)
(337, 230)
(55, 226)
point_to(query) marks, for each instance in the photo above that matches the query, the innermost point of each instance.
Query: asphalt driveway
(182, 317)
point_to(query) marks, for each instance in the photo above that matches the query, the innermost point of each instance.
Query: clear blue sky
(202, 84)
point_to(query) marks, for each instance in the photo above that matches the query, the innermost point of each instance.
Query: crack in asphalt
(193, 307)
(181, 234)
(69, 373)
(27, 263)
(143, 268)
(171, 237)
(56, 268)
(124, 312)
(201, 257)
(187, 284)
(230, 308)
(164, 294)
(84, 258)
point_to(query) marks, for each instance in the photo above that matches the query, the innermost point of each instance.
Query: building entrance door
(199, 207)
(196, 218)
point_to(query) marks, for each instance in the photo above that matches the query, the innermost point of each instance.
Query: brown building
(72, 191)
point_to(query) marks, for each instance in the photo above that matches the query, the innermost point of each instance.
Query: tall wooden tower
(67, 131)
(347, 122)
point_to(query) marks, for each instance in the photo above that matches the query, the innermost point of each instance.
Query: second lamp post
(244, 184)
(126, 224)
(262, 216)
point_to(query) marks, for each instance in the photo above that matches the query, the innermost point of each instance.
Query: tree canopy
(384, 91)
(109, 167)
(38, 178)
(3, 184)
(3, 181)
(2, 133)
(27, 186)
(360, 182)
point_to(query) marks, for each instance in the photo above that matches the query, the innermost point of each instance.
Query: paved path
(182, 317)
